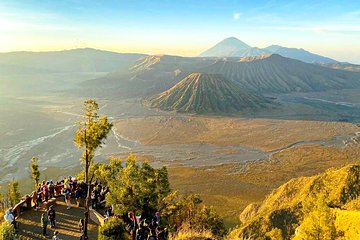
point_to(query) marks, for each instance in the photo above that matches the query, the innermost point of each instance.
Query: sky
(180, 27)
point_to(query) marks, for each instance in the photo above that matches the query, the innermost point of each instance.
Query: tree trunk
(86, 214)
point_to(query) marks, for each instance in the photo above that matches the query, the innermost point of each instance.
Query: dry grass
(264, 134)
(231, 187)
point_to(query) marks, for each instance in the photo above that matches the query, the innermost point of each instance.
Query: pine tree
(14, 195)
(35, 173)
(91, 133)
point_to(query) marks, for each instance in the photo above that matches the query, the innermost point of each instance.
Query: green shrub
(7, 231)
(113, 229)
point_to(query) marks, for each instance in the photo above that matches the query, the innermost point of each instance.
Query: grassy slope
(283, 207)
(231, 187)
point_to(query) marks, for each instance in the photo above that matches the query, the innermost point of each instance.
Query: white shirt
(9, 217)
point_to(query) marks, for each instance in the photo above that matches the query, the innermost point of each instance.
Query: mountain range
(75, 60)
(233, 47)
(128, 75)
(270, 73)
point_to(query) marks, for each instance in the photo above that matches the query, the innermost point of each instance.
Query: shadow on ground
(66, 220)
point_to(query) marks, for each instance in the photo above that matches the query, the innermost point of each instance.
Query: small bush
(7, 231)
(113, 229)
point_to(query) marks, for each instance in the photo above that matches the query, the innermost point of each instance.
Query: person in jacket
(52, 215)
(44, 223)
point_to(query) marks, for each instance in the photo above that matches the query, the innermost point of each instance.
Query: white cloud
(236, 16)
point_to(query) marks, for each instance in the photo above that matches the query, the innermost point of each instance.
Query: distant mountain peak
(233, 47)
(226, 48)
(235, 41)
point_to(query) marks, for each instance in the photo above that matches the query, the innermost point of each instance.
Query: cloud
(236, 16)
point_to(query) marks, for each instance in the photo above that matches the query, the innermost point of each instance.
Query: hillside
(290, 206)
(75, 60)
(269, 73)
(206, 93)
(299, 54)
(277, 74)
(343, 66)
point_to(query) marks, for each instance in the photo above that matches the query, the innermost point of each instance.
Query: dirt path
(67, 224)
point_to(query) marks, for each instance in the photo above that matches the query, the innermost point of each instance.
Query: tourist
(94, 198)
(52, 214)
(44, 223)
(152, 228)
(56, 235)
(78, 194)
(9, 217)
(58, 188)
(67, 193)
(51, 189)
(109, 212)
(81, 225)
(39, 195)
(160, 232)
(34, 199)
(45, 191)
(157, 218)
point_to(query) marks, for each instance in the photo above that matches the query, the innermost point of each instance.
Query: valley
(218, 134)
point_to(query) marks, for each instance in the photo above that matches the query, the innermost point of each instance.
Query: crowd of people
(144, 228)
(69, 187)
(141, 228)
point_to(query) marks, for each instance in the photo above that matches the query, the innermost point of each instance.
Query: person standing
(67, 197)
(45, 191)
(44, 223)
(157, 218)
(78, 194)
(9, 217)
(51, 189)
(81, 226)
(51, 215)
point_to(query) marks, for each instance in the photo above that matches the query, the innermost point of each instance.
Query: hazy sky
(187, 27)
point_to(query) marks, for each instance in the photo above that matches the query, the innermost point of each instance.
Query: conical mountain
(206, 93)
(229, 47)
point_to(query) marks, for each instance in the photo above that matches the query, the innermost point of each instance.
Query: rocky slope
(274, 73)
(206, 93)
(269, 73)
